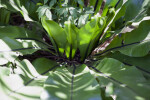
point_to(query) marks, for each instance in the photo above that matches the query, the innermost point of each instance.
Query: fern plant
(76, 50)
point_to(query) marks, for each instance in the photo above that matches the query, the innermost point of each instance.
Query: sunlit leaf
(16, 41)
(56, 33)
(141, 63)
(89, 35)
(65, 85)
(128, 82)
(71, 31)
(134, 43)
(14, 85)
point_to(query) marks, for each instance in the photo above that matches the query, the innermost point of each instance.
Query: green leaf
(82, 20)
(127, 81)
(17, 41)
(48, 14)
(96, 4)
(62, 11)
(45, 1)
(56, 33)
(142, 48)
(134, 43)
(120, 12)
(125, 16)
(52, 2)
(73, 12)
(133, 9)
(8, 44)
(71, 31)
(19, 33)
(141, 63)
(27, 80)
(44, 10)
(108, 3)
(48, 64)
(13, 86)
(89, 35)
(27, 9)
(80, 2)
(65, 85)
(12, 5)
(5, 16)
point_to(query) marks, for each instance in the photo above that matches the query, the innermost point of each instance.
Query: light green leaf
(57, 35)
(65, 85)
(71, 32)
(89, 35)
(48, 14)
(83, 19)
(73, 12)
(108, 3)
(42, 10)
(96, 4)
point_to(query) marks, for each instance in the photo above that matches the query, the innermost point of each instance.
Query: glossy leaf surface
(56, 33)
(89, 35)
(71, 32)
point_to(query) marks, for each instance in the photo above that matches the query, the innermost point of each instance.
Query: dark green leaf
(52, 2)
(38, 65)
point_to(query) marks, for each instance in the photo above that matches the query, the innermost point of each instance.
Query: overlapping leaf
(4, 17)
(65, 85)
(71, 32)
(56, 33)
(27, 82)
(89, 35)
(141, 63)
(124, 15)
(16, 39)
(27, 9)
(13, 85)
(134, 43)
(127, 82)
